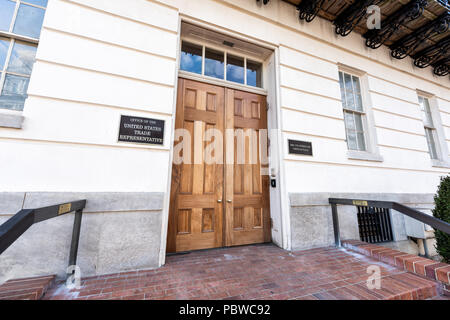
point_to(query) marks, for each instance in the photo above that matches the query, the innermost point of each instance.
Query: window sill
(440, 164)
(8, 120)
(364, 155)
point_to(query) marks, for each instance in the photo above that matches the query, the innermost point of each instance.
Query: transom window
(20, 29)
(220, 64)
(430, 130)
(353, 111)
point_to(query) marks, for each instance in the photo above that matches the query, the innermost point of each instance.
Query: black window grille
(374, 224)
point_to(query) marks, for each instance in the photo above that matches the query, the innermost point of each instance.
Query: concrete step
(26, 288)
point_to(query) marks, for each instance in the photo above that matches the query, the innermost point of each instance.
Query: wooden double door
(220, 187)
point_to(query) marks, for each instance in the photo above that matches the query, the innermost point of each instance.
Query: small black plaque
(141, 130)
(300, 147)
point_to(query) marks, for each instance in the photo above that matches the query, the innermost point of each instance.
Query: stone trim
(14, 121)
(321, 198)
(11, 202)
(364, 155)
(440, 164)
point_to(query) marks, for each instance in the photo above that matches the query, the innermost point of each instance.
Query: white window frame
(443, 159)
(372, 151)
(14, 118)
(226, 50)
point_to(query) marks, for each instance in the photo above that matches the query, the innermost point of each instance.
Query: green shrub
(442, 211)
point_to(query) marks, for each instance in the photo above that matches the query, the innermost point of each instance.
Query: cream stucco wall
(98, 59)
(310, 103)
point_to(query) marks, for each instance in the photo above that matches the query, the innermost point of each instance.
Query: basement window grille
(374, 224)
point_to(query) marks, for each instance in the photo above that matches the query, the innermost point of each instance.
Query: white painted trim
(221, 83)
(442, 146)
(166, 206)
(364, 155)
(228, 84)
(440, 164)
(275, 147)
(372, 152)
(370, 121)
(18, 37)
(258, 42)
(284, 197)
(8, 120)
(14, 17)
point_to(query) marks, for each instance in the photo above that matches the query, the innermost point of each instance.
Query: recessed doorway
(220, 187)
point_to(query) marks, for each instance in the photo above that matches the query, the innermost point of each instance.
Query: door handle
(219, 201)
(229, 201)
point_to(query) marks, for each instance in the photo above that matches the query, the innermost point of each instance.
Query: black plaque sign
(141, 130)
(300, 147)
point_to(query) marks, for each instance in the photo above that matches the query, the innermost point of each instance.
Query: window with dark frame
(20, 29)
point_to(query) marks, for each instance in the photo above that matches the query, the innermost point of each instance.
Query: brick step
(317, 274)
(426, 268)
(26, 288)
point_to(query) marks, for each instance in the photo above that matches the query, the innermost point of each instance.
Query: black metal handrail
(444, 3)
(410, 212)
(14, 227)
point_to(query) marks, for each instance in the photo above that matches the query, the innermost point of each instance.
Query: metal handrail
(410, 212)
(444, 3)
(14, 227)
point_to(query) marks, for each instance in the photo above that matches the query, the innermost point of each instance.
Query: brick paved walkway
(255, 272)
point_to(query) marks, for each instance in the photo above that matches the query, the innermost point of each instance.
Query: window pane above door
(214, 63)
(235, 69)
(191, 57)
(254, 74)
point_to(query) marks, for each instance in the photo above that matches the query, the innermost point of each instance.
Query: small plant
(442, 211)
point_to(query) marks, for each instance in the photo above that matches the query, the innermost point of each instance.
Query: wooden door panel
(195, 215)
(196, 219)
(246, 183)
